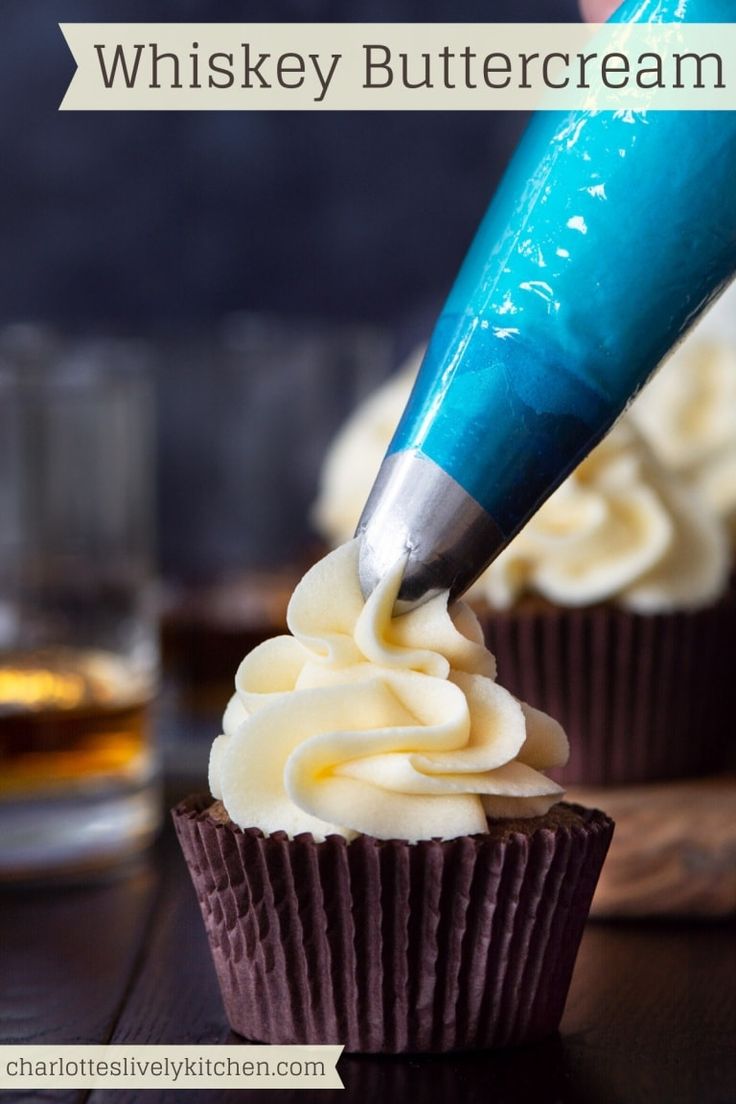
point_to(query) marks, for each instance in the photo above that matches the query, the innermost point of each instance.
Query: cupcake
(384, 862)
(608, 610)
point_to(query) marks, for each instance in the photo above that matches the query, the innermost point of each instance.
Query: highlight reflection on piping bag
(610, 233)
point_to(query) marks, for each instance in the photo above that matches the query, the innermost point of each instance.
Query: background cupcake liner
(641, 697)
(386, 946)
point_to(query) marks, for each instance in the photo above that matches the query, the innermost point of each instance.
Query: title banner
(400, 66)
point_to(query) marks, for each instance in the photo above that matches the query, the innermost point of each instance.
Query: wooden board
(673, 851)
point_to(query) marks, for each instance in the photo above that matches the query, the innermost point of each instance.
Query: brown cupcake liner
(386, 946)
(641, 697)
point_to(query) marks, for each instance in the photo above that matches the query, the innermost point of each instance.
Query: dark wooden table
(651, 1018)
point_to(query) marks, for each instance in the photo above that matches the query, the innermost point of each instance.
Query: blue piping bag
(609, 235)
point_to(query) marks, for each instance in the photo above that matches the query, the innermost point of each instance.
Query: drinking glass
(78, 643)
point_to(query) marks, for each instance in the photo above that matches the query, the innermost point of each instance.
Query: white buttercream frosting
(688, 412)
(364, 723)
(621, 528)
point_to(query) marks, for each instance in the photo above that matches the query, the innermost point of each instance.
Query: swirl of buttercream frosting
(360, 722)
(688, 412)
(619, 527)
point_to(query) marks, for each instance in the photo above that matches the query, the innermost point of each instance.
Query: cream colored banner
(169, 1067)
(399, 66)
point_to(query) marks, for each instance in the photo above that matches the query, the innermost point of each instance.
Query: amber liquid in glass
(70, 718)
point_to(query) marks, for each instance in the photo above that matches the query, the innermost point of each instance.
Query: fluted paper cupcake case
(386, 946)
(641, 697)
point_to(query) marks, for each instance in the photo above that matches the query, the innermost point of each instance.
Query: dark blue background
(161, 224)
(147, 218)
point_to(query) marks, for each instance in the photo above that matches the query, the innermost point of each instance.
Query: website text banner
(169, 1067)
(400, 66)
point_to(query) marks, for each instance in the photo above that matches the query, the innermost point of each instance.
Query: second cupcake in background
(609, 610)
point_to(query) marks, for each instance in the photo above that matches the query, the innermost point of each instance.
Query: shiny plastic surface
(608, 236)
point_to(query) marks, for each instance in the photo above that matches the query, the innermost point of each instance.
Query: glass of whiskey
(78, 641)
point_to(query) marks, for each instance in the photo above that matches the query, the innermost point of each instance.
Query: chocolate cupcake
(610, 610)
(386, 863)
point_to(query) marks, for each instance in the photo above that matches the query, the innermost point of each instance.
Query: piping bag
(609, 234)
